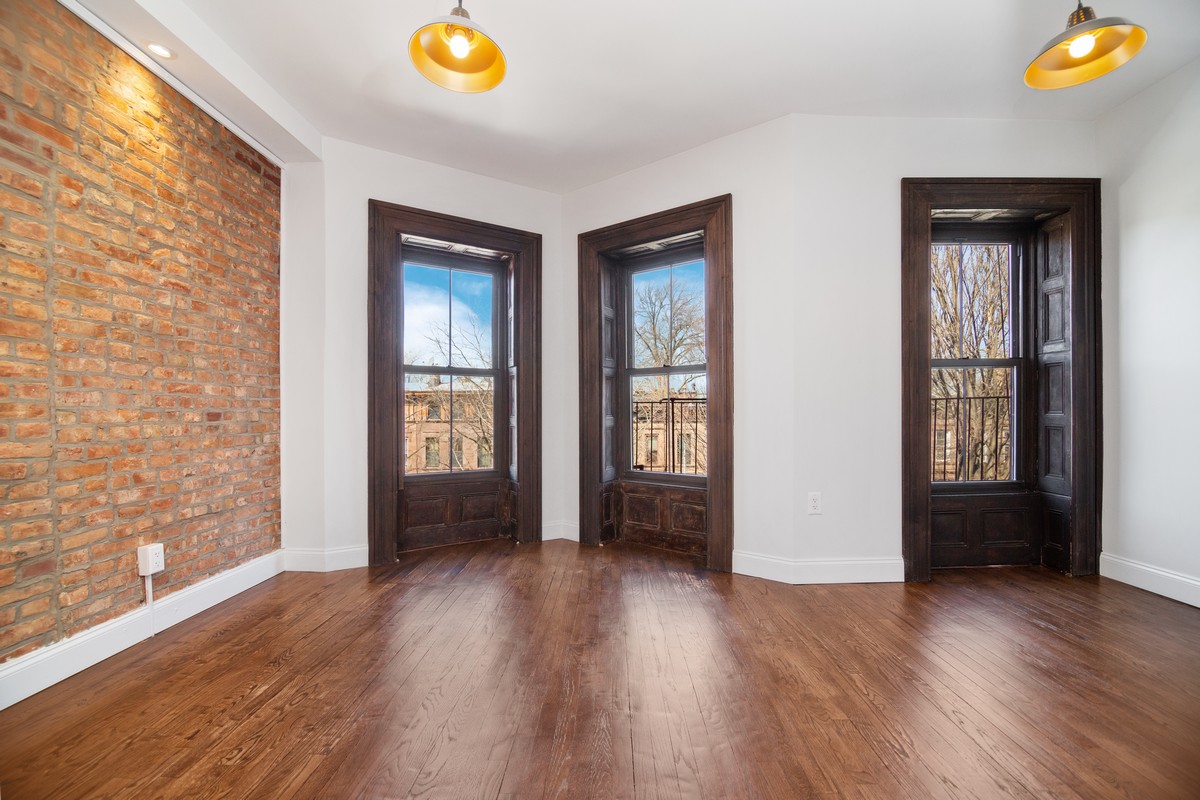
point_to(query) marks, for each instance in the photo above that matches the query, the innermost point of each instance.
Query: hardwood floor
(523, 671)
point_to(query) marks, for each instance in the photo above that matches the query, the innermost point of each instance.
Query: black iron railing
(670, 435)
(972, 438)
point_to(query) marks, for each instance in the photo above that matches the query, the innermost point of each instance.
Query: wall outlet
(814, 502)
(151, 559)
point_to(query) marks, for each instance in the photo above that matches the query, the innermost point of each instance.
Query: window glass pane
(669, 423)
(426, 423)
(471, 319)
(426, 315)
(687, 313)
(987, 325)
(972, 422)
(650, 311)
(970, 300)
(944, 286)
(667, 316)
(474, 420)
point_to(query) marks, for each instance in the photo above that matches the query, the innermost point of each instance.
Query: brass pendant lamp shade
(456, 54)
(1087, 49)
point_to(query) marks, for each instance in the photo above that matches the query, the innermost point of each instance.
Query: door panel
(1053, 356)
(610, 342)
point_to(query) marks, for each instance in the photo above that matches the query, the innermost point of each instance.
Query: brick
(75, 472)
(24, 450)
(140, 249)
(13, 635)
(22, 205)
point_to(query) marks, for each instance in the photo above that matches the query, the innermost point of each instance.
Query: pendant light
(1087, 49)
(456, 54)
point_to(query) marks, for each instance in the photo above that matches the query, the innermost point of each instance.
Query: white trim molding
(560, 530)
(818, 570)
(1175, 585)
(313, 559)
(29, 674)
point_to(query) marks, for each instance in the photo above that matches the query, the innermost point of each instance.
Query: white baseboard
(818, 570)
(1175, 585)
(178, 606)
(311, 559)
(26, 676)
(560, 530)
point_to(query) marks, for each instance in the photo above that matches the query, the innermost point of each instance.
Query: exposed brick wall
(139, 333)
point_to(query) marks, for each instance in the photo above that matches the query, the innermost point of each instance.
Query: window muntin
(666, 371)
(974, 365)
(450, 373)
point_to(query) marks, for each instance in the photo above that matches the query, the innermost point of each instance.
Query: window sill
(979, 487)
(670, 479)
(465, 476)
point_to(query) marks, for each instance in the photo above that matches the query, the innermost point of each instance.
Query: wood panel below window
(671, 518)
(985, 529)
(454, 511)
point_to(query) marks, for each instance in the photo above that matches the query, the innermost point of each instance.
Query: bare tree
(668, 327)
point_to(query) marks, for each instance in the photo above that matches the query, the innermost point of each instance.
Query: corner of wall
(302, 361)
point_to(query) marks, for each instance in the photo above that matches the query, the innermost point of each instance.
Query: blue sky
(437, 300)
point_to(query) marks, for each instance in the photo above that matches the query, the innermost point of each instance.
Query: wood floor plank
(501, 671)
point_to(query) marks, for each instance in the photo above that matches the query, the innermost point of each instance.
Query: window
(665, 363)
(974, 363)
(450, 364)
(652, 449)
(686, 455)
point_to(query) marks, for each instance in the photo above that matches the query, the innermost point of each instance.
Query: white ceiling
(596, 89)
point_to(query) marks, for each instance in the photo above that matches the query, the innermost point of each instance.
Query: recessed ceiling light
(162, 51)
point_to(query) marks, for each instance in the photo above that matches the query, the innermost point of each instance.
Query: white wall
(302, 362)
(817, 312)
(325, 333)
(1151, 170)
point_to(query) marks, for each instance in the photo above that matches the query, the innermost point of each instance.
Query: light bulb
(1082, 45)
(459, 45)
(162, 51)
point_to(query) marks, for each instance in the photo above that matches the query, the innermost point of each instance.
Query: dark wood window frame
(385, 443)
(715, 218)
(919, 197)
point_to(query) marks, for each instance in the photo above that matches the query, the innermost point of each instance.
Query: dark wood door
(1055, 396)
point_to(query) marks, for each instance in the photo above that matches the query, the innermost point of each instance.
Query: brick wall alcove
(139, 333)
